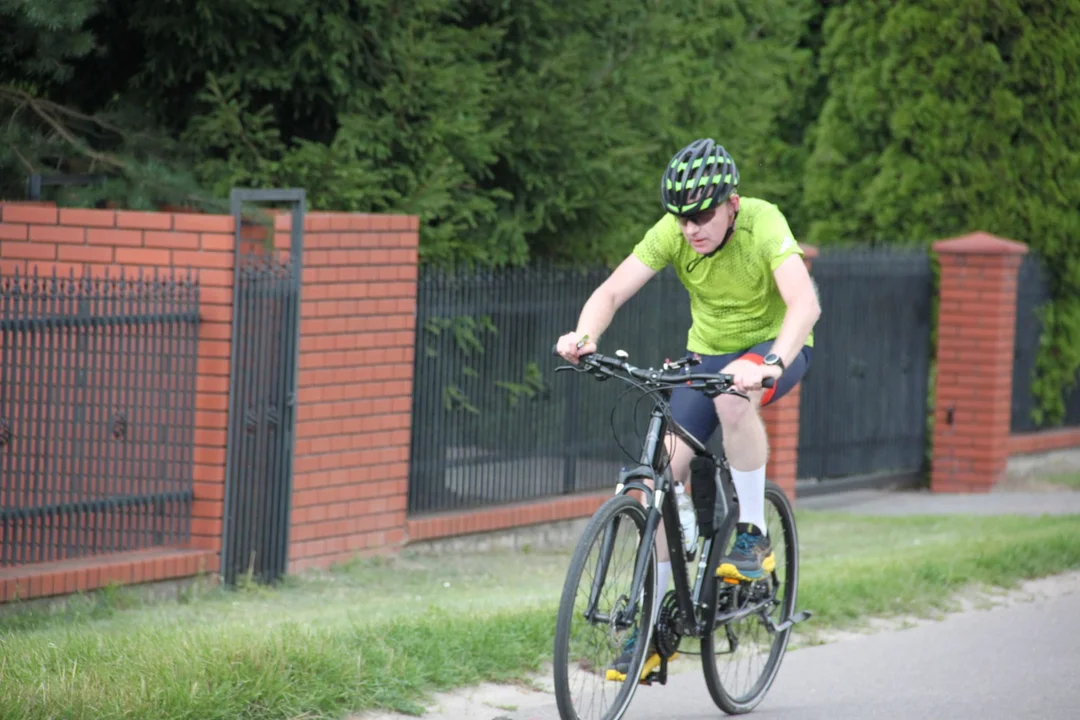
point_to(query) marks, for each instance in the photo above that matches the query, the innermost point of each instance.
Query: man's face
(705, 230)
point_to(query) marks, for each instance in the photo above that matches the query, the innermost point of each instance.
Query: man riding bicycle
(753, 307)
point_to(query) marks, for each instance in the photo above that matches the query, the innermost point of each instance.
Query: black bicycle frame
(689, 600)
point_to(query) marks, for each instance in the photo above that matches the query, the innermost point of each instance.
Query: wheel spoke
(589, 632)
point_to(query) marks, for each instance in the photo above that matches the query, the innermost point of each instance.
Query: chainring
(666, 634)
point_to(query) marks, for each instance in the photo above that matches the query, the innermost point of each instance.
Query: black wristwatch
(774, 359)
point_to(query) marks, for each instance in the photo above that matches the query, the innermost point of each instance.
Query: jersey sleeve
(657, 248)
(776, 239)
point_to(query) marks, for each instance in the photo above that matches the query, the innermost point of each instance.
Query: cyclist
(753, 307)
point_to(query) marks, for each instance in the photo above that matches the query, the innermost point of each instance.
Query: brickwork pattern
(128, 568)
(1044, 441)
(973, 400)
(358, 310)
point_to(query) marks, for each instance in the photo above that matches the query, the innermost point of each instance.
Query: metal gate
(864, 401)
(262, 396)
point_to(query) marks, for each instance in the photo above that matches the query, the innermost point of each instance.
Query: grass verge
(383, 634)
(1071, 480)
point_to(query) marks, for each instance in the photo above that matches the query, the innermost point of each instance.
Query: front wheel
(743, 653)
(593, 631)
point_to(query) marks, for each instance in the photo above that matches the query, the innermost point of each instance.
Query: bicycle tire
(720, 695)
(619, 505)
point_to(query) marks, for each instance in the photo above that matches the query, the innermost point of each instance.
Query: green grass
(383, 634)
(1071, 480)
(854, 567)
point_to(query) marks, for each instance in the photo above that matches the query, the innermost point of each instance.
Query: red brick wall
(358, 305)
(1044, 441)
(68, 240)
(975, 359)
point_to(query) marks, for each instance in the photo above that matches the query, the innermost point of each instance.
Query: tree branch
(25, 99)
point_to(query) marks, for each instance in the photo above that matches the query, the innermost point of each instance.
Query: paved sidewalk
(923, 502)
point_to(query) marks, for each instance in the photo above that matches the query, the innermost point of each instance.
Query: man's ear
(734, 201)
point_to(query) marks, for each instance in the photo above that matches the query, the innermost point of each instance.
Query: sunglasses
(699, 218)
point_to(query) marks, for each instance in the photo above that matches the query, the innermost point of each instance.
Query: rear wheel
(743, 653)
(591, 630)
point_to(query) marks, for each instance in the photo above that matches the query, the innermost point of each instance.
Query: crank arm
(796, 618)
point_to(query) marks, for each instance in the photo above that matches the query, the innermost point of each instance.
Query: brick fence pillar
(354, 405)
(782, 426)
(976, 328)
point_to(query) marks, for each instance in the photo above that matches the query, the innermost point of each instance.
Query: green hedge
(526, 130)
(513, 130)
(950, 116)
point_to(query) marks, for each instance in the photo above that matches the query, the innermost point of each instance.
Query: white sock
(663, 574)
(750, 485)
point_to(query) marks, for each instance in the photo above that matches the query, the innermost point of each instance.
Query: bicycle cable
(646, 391)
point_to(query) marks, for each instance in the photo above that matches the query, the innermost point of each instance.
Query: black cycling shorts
(697, 413)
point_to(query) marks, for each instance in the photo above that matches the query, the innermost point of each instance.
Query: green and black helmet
(700, 176)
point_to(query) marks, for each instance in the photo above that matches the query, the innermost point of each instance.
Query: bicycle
(710, 609)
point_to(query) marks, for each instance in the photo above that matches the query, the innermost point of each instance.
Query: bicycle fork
(600, 576)
(622, 618)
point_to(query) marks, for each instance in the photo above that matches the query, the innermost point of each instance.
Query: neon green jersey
(734, 301)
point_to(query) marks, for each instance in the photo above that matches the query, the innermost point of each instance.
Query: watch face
(772, 359)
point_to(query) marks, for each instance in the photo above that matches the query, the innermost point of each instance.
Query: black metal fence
(1032, 294)
(492, 422)
(97, 402)
(864, 400)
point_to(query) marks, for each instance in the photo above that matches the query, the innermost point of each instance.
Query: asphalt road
(1018, 661)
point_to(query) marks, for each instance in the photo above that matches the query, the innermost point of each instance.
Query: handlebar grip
(768, 382)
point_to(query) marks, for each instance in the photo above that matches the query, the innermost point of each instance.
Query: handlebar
(711, 383)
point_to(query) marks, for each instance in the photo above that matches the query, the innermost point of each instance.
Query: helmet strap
(727, 236)
(729, 233)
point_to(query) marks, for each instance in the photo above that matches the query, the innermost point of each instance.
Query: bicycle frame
(661, 506)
